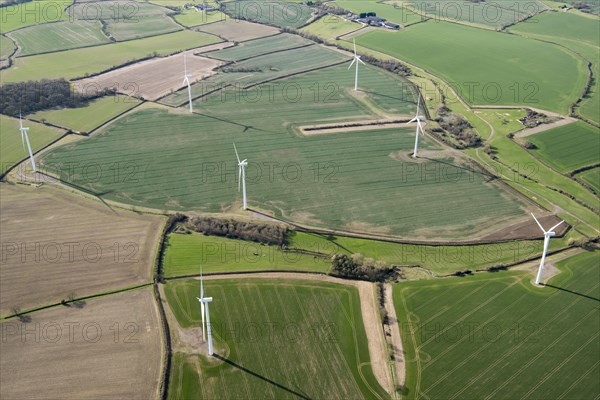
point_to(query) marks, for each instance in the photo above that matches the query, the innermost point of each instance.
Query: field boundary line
(258, 55)
(75, 300)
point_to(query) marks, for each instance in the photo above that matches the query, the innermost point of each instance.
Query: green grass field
(440, 260)
(315, 346)
(324, 180)
(330, 27)
(193, 18)
(500, 337)
(58, 36)
(32, 13)
(7, 47)
(132, 11)
(277, 12)
(592, 178)
(77, 63)
(12, 151)
(393, 13)
(88, 118)
(576, 32)
(186, 253)
(513, 162)
(506, 71)
(568, 147)
(258, 47)
(491, 15)
(144, 26)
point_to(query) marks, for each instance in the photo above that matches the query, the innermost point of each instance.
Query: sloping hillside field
(352, 180)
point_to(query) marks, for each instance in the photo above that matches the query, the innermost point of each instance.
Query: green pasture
(504, 71)
(126, 11)
(81, 62)
(64, 35)
(330, 27)
(7, 47)
(491, 15)
(89, 117)
(260, 46)
(577, 33)
(12, 150)
(142, 27)
(592, 178)
(440, 260)
(317, 324)
(187, 252)
(500, 337)
(32, 13)
(568, 147)
(193, 18)
(514, 162)
(276, 12)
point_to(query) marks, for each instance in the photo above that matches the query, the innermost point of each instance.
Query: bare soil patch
(528, 229)
(56, 244)
(153, 78)
(108, 349)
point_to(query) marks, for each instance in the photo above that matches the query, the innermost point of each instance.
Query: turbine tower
(547, 235)
(25, 139)
(186, 80)
(356, 60)
(242, 176)
(204, 305)
(419, 127)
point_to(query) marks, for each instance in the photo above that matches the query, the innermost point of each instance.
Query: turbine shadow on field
(246, 127)
(97, 195)
(572, 292)
(228, 361)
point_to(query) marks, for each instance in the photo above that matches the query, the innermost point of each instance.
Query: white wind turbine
(547, 235)
(241, 175)
(204, 308)
(202, 305)
(186, 80)
(356, 60)
(25, 139)
(419, 127)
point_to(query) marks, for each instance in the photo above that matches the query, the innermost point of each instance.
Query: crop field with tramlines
(346, 199)
(568, 147)
(329, 169)
(498, 337)
(318, 324)
(504, 72)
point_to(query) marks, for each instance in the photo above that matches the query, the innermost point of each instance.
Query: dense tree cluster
(32, 96)
(256, 232)
(460, 129)
(534, 118)
(363, 268)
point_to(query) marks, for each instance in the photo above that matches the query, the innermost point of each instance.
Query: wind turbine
(25, 139)
(419, 127)
(204, 304)
(547, 235)
(186, 80)
(356, 60)
(241, 175)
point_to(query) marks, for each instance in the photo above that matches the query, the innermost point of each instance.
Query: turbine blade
(239, 178)
(236, 153)
(538, 222)
(201, 284)
(352, 63)
(361, 61)
(184, 64)
(411, 121)
(418, 103)
(551, 229)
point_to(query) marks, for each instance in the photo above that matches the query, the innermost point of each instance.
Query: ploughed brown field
(108, 348)
(55, 244)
